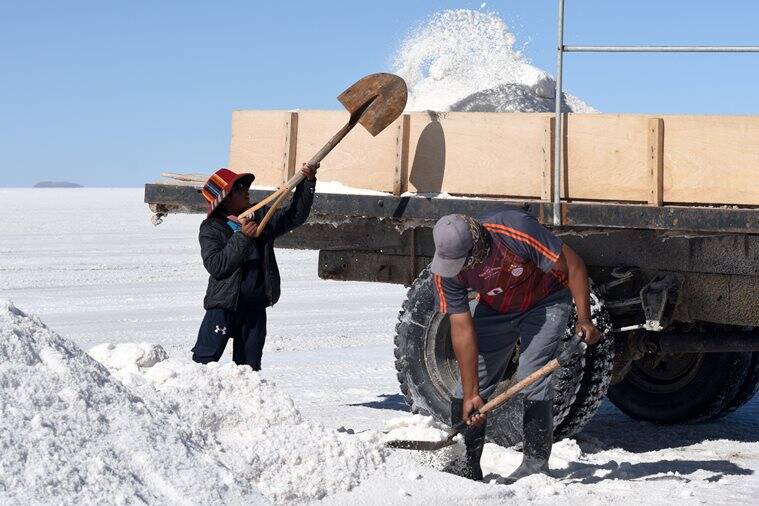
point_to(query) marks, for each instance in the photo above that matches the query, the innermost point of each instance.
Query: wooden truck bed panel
(608, 157)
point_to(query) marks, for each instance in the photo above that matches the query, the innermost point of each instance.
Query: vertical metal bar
(558, 127)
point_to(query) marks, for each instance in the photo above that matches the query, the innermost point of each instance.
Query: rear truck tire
(747, 390)
(685, 387)
(428, 372)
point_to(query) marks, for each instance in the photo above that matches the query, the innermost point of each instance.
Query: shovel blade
(378, 98)
(407, 444)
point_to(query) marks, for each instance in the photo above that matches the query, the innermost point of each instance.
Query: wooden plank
(359, 161)
(257, 144)
(469, 153)
(607, 157)
(549, 137)
(401, 155)
(291, 146)
(656, 160)
(711, 160)
(708, 159)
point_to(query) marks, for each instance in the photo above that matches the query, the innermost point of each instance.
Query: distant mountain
(57, 184)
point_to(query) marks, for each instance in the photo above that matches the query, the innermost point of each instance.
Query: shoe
(469, 466)
(538, 439)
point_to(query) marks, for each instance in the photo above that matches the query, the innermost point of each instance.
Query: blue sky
(109, 93)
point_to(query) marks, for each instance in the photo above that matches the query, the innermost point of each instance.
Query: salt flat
(92, 267)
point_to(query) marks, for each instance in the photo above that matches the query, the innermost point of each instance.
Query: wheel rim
(439, 358)
(662, 374)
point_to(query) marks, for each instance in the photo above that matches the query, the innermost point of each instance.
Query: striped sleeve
(523, 235)
(450, 295)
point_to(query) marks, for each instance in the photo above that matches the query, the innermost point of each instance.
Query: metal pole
(662, 49)
(557, 126)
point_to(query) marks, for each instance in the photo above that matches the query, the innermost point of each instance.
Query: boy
(244, 278)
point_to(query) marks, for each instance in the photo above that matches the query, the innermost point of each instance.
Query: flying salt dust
(465, 60)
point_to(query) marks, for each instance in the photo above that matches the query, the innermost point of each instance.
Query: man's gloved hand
(573, 351)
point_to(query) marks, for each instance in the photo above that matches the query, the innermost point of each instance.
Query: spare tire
(428, 372)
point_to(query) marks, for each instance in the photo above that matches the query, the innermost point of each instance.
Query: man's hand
(248, 227)
(590, 333)
(309, 170)
(471, 405)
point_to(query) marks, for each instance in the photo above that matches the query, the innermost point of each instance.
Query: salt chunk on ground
(128, 356)
(415, 427)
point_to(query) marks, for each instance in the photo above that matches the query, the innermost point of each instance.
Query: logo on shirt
(489, 272)
(517, 271)
(223, 330)
(495, 291)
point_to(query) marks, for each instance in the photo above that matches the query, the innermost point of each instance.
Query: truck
(664, 209)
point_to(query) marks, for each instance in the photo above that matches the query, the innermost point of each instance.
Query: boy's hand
(248, 227)
(309, 170)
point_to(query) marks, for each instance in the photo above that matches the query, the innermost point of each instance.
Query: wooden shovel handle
(270, 212)
(518, 387)
(298, 177)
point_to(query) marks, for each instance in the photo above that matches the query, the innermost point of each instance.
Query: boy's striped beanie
(220, 184)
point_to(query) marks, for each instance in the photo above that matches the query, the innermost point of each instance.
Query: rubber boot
(469, 467)
(538, 438)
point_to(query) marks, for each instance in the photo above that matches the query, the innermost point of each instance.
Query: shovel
(575, 349)
(374, 101)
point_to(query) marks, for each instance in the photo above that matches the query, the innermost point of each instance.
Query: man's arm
(464, 340)
(570, 263)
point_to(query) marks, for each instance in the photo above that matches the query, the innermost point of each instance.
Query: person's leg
(541, 329)
(250, 347)
(215, 330)
(496, 337)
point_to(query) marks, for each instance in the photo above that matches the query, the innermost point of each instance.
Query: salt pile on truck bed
(71, 432)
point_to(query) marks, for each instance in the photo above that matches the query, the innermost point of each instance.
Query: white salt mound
(71, 432)
(465, 60)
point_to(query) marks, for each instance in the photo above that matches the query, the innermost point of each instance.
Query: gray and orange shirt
(518, 272)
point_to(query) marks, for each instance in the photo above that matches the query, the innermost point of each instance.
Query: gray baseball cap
(453, 242)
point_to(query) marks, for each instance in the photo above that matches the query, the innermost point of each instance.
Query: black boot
(469, 467)
(538, 438)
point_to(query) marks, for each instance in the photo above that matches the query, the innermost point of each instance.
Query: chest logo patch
(490, 272)
(495, 291)
(517, 271)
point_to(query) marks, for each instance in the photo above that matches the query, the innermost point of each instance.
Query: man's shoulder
(508, 216)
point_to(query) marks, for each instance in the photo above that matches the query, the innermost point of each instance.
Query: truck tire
(682, 388)
(428, 372)
(747, 390)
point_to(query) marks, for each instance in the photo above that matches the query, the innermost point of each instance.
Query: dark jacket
(225, 251)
